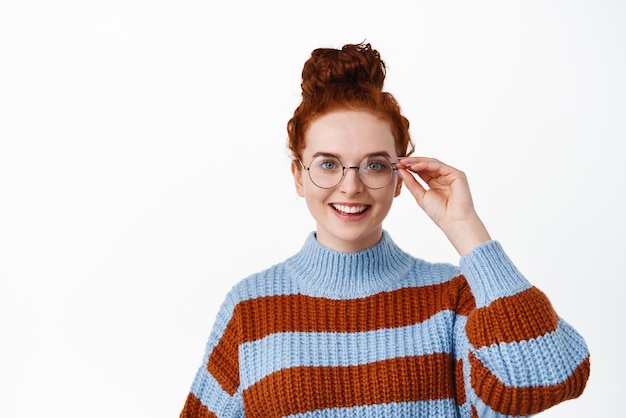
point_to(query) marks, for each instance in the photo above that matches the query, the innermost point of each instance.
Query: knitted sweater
(380, 333)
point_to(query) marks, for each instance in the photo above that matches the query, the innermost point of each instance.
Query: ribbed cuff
(491, 274)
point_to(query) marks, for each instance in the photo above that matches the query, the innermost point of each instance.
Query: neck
(321, 271)
(358, 244)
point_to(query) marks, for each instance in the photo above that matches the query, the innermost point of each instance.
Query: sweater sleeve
(215, 391)
(520, 357)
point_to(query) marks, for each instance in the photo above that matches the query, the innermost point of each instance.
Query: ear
(297, 171)
(398, 188)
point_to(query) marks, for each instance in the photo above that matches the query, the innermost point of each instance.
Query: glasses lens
(326, 172)
(375, 172)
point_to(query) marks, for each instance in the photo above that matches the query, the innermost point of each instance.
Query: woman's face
(349, 216)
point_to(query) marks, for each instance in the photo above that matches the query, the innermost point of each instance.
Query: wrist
(467, 235)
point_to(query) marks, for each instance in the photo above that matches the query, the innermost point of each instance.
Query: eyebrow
(373, 154)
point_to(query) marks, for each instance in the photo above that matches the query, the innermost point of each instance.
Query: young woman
(351, 325)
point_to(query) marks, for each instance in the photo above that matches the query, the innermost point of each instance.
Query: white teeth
(349, 209)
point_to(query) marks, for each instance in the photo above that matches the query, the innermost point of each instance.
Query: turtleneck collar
(323, 272)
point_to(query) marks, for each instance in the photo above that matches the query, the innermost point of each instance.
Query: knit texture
(380, 333)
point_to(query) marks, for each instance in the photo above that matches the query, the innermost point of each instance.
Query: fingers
(410, 167)
(443, 193)
(428, 176)
(415, 187)
(432, 171)
(426, 168)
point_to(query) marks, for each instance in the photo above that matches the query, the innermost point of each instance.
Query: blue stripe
(429, 274)
(292, 349)
(491, 274)
(442, 408)
(461, 344)
(210, 392)
(271, 282)
(484, 410)
(555, 356)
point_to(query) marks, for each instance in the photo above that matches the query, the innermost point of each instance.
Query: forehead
(349, 133)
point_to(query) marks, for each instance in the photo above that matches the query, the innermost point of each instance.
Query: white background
(143, 173)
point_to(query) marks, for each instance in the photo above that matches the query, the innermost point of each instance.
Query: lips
(350, 209)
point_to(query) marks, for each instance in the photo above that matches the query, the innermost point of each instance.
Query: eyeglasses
(326, 171)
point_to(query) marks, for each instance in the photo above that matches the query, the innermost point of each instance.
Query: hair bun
(357, 64)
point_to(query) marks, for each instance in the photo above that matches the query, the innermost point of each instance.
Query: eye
(328, 164)
(377, 165)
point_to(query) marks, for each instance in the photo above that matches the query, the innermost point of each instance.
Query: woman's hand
(446, 200)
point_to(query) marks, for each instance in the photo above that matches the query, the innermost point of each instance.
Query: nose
(351, 183)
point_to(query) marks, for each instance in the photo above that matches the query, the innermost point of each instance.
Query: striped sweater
(380, 333)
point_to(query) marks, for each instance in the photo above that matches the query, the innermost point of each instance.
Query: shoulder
(272, 281)
(424, 273)
(444, 282)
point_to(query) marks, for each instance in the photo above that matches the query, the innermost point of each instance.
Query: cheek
(386, 197)
(314, 193)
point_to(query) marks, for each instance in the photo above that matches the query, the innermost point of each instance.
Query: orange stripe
(195, 409)
(460, 383)
(256, 318)
(509, 400)
(223, 363)
(526, 315)
(299, 313)
(302, 389)
(474, 412)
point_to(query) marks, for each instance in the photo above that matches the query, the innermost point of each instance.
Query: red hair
(349, 78)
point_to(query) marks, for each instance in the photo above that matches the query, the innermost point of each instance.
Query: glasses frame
(394, 170)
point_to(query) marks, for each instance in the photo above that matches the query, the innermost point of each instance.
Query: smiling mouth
(350, 210)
